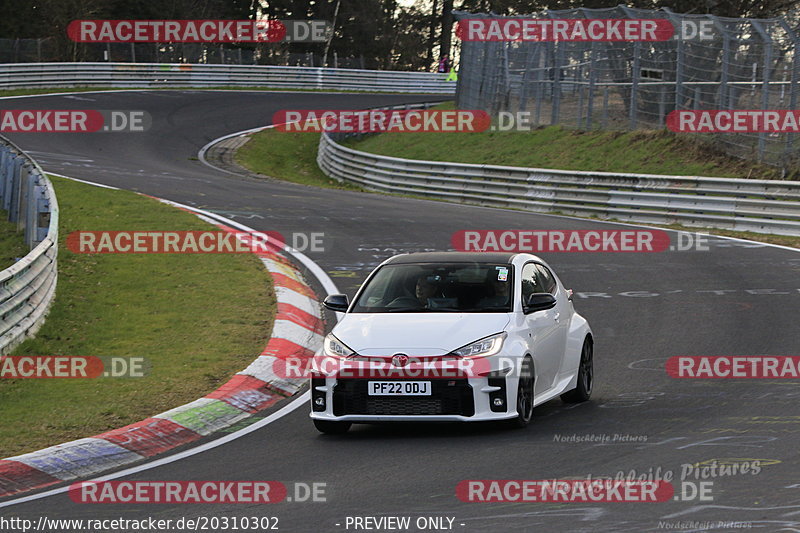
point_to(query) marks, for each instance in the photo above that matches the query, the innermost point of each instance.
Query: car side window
(547, 282)
(530, 281)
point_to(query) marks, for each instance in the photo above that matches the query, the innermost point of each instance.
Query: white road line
(84, 181)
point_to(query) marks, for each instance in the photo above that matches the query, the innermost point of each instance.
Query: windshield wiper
(423, 310)
(487, 308)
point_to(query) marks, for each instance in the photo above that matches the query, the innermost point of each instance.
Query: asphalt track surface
(734, 299)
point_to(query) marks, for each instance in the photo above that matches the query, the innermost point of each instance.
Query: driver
(425, 289)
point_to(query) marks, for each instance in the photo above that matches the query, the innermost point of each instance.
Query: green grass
(12, 242)
(641, 152)
(289, 156)
(197, 319)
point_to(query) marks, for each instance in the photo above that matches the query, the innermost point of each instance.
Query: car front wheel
(524, 396)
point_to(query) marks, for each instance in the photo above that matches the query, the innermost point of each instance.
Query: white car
(451, 337)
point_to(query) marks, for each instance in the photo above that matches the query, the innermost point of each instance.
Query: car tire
(583, 390)
(524, 396)
(332, 427)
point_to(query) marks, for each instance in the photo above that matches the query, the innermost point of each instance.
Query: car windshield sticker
(502, 274)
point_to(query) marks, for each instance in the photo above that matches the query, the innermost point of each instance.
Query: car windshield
(438, 288)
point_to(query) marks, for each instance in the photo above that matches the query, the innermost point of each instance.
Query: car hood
(416, 334)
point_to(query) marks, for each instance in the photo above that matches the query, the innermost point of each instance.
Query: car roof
(451, 257)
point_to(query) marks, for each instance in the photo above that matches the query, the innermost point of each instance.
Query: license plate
(399, 388)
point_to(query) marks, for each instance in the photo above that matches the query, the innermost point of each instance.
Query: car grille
(448, 397)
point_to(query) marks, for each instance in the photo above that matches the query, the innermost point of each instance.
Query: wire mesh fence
(733, 64)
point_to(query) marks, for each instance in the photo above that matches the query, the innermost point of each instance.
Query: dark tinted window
(546, 279)
(438, 287)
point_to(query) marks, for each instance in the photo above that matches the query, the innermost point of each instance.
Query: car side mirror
(336, 302)
(539, 301)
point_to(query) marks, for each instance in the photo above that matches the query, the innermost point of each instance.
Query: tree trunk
(432, 35)
(447, 27)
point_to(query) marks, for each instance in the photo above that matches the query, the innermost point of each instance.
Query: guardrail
(28, 286)
(150, 75)
(761, 206)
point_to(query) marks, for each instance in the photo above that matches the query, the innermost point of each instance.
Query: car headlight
(333, 347)
(484, 347)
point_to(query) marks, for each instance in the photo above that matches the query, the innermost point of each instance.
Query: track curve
(734, 299)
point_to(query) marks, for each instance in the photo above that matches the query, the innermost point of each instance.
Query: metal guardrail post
(5, 162)
(795, 80)
(13, 190)
(636, 73)
(557, 66)
(43, 215)
(765, 73)
(592, 81)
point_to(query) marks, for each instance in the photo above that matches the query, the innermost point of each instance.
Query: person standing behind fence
(444, 64)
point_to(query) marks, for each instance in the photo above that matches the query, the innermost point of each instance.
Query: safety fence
(151, 75)
(28, 286)
(711, 63)
(49, 49)
(738, 204)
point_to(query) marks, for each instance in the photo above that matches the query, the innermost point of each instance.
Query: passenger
(498, 294)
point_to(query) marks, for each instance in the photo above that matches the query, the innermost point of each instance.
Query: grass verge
(288, 156)
(197, 319)
(641, 152)
(783, 240)
(12, 242)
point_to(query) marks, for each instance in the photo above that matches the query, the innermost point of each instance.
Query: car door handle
(557, 317)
